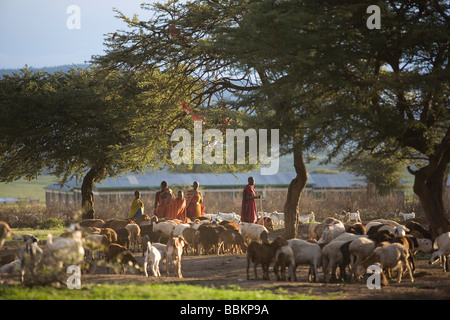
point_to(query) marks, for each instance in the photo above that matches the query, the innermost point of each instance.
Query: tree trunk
(87, 195)
(429, 186)
(295, 189)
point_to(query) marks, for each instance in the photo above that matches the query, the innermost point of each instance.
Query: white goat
(152, 255)
(309, 253)
(359, 249)
(307, 218)
(278, 217)
(284, 257)
(332, 231)
(442, 253)
(407, 216)
(229, 216)
(392, 256)
(165, 227)
(251, 231)
(135, 232)
(66, 251)
(332, 257)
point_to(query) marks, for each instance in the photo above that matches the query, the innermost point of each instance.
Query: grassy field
(144, 292)
(27, 189)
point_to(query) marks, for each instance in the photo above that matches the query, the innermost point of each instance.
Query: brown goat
(120, 254)
(261, 253)
(174, 251)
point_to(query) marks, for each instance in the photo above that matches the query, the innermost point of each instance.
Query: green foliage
(144, 292)
(52, 223)
(71, 121)
(383, 173)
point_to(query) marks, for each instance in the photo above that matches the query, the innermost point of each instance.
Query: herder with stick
(248, 211)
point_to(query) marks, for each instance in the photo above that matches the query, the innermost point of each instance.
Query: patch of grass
(143, 292)
(23, 188)
(41, 234)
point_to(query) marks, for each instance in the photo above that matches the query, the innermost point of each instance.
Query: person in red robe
(178, 207)
(163, 201)
(248, 210)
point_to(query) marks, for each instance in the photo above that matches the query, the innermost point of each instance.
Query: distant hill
(65, 67)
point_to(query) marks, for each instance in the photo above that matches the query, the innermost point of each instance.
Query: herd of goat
(343, 242)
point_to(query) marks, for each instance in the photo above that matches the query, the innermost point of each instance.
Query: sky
(46, 33)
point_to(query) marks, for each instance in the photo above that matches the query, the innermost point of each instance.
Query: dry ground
(230, 271)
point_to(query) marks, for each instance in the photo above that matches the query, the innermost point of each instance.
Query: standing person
(248, 210)
(178, 207)
(194, 201)
(137, 206)
(163, 200)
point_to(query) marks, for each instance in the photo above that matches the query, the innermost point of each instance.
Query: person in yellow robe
(194, 199)
(137, 206)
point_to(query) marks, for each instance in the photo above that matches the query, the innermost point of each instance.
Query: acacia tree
(314, 70)
(83, 124)
(209, 45)
(388, 90)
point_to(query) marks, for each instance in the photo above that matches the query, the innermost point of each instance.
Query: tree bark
(291, 212)
(429, 186)
(87, 194)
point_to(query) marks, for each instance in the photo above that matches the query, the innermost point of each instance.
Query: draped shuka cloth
(178, 209)
(137, 209)
(248, 210)
(165, 199)
(194, 201)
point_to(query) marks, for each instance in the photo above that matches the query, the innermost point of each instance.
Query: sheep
(208, 238)
(117, 223)
(174, 251)
(178, 229)
(442, 253)
(231, 225)
(154, 256)
(278, 217)
(332, 257)
(331, 232)
(407, 216)
(232, 239)
(153, 236)
(316, 229)
(306, 252)
(117, 253)
(30, 256)
(135, 233)
(191, 237)
(66, 251)
(392, 256)
(261, 253)
(357, 228)
(109, 233)
(251, 231)
(95, 223)
(228, 216)
(266, 222)
(393, 226)
(396, 230)
(95, 242)
(284, 258)
(5, 233)
(359, 249)
(417, 229)
(12, 267)
(123, 237)
(165, 227)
